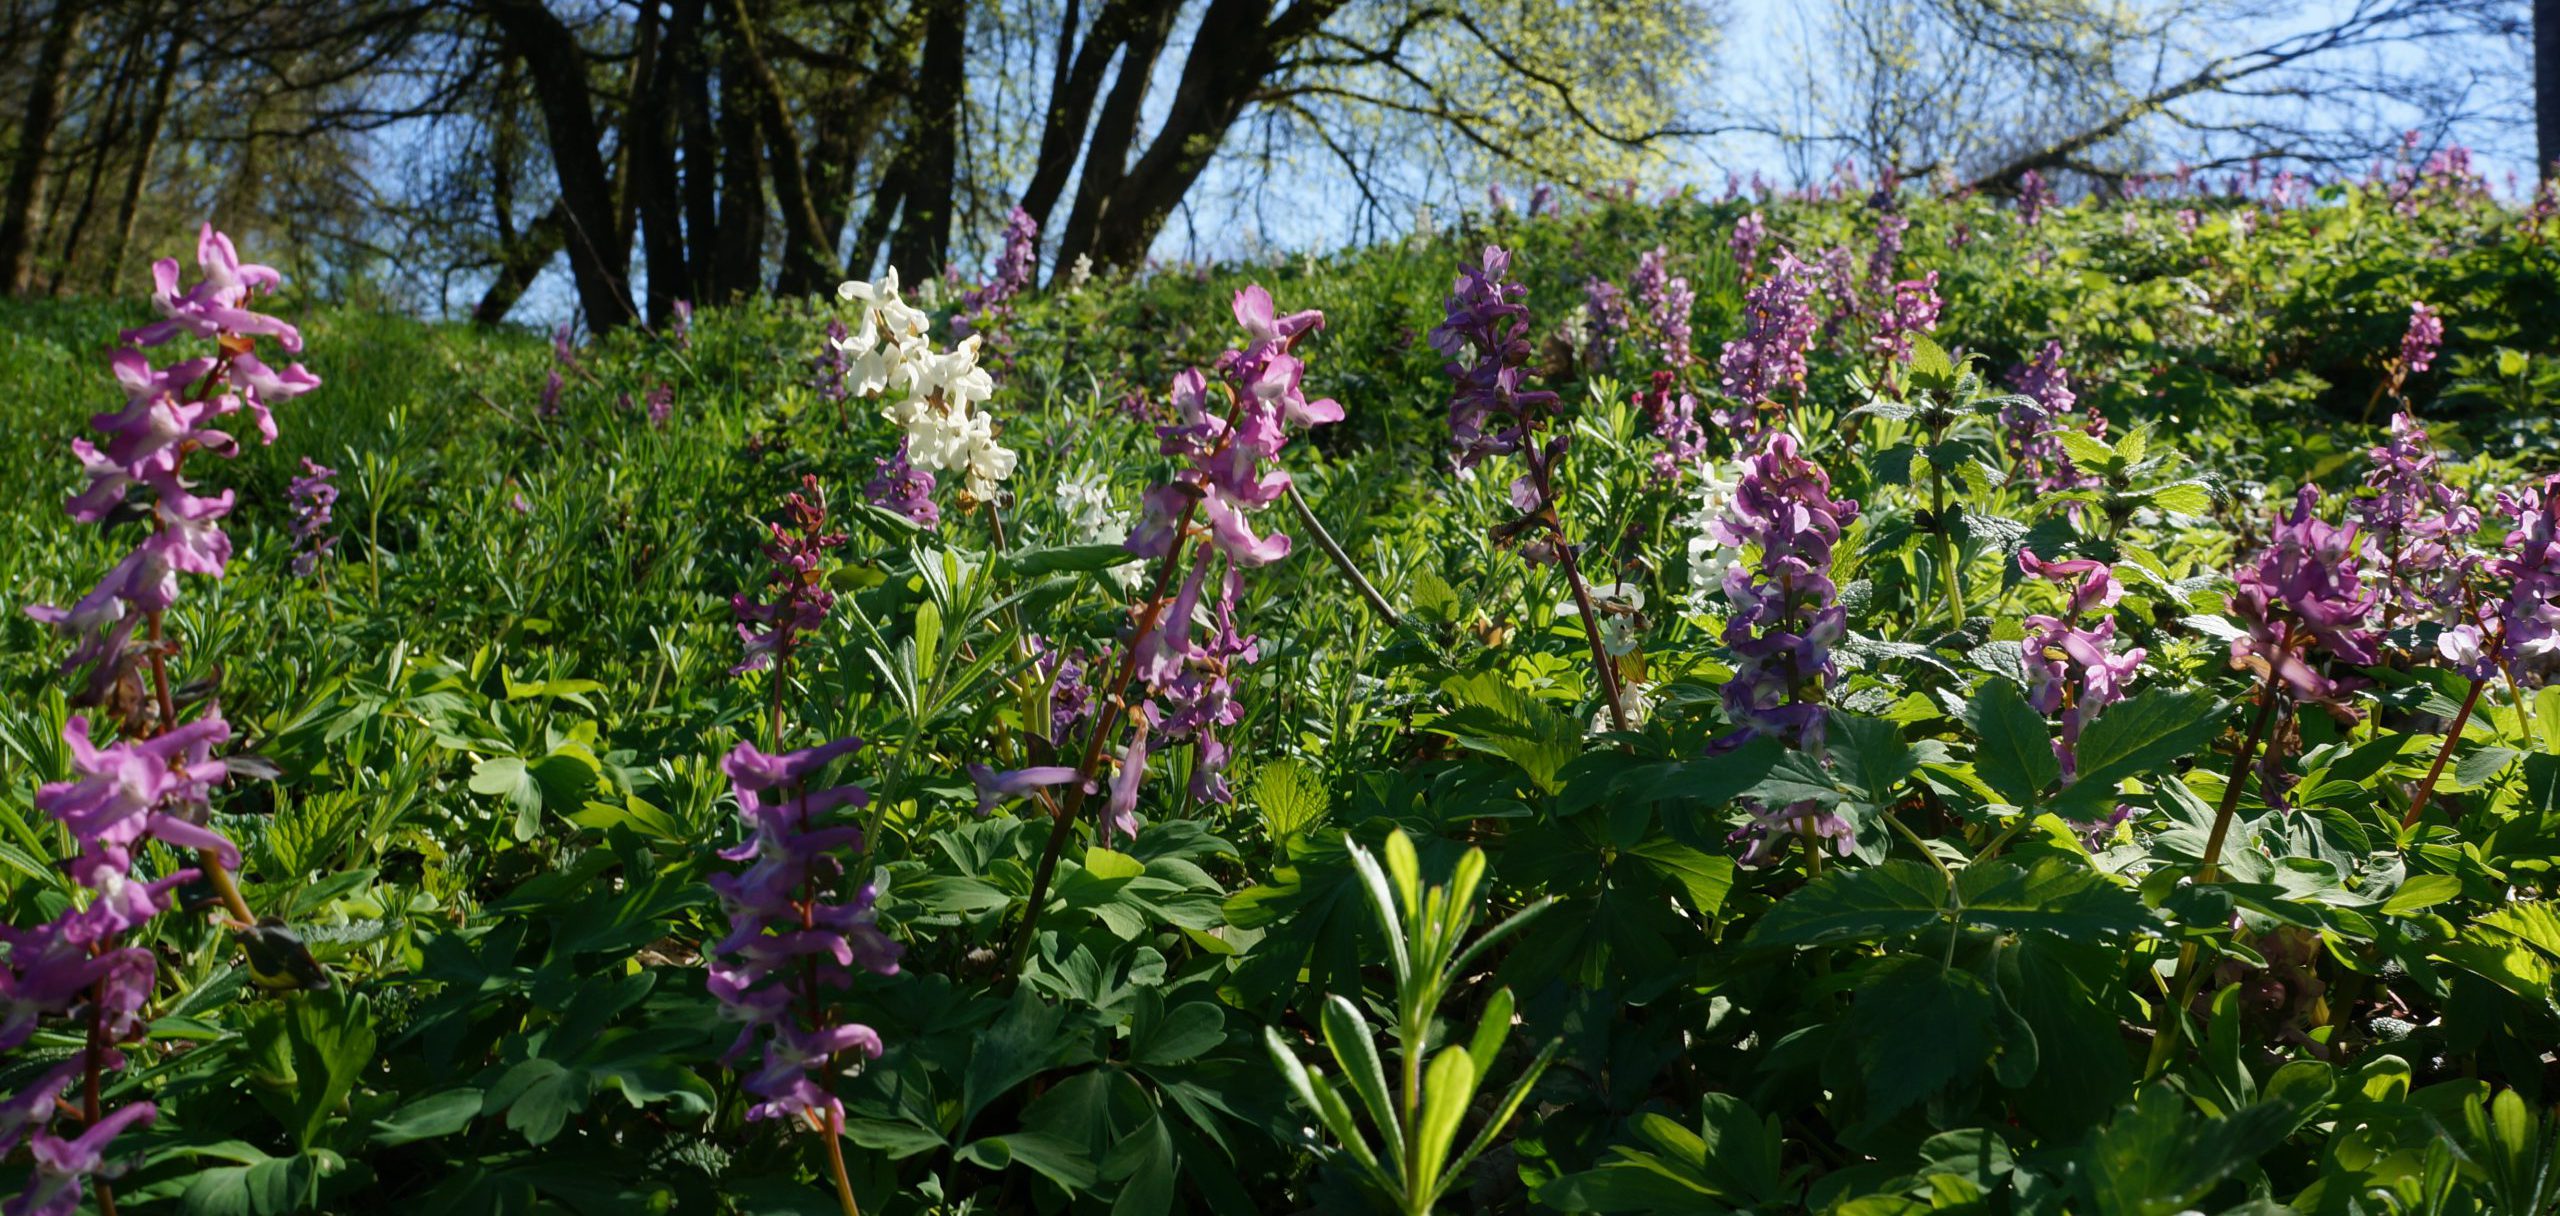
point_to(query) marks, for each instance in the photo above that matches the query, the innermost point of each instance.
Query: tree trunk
(808, 245)
(103, 139)
(154, 120)
(599, 249)
(43, 113)
(922, 245)
(1071, 96)
(701, 145)
(739, 271)
(654, 191)
(2546, 86)
(520, 260)
(1115, 131)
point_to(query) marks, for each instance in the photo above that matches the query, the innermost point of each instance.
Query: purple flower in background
(661, 403)
(2518, 629)
(788, 942)
(902, 488)
(1669, 302)
(313, 497)
(1068, 674)
(772, 628)
(1674, 415)
(683, 332)
(2418, 345)
(2302, 598)
(1192, 696)
(1748, 233)
(1542, 199)
(1777, 331)
(2033, 431)
(1605, 309)
(1887, 255)
(1914, 311)
(1485, 334)
(2417, 523)
(1014, 268)
(2072, 669)
(2033, 197)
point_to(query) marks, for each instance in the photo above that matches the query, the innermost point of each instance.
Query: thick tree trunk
(2546, 85)
(700, 141)
(22, 208)
(922, 245)
(599, 249)
(654, 191)
(808, 244)
(1071, 97)
(739, 270)
(103, 141)
(154, 119)
(1115, 132)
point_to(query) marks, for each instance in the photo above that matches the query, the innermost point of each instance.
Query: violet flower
(2417, 523)
(2519, 628)
(1485, 334)
(1913, 311)
(2072, 669)
(801, 600)
(1669, 302)
(1748, 233)
(788, 942)
(313, 497)
(1605, 312)
(661, 405)
(2418, 346)
(1674, 415)
(2033, 432)
(2302, 599)
(2033, 197)
(1786, 612)
(1777, 331)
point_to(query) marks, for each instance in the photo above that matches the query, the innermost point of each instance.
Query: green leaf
(1291, 797)
(1894, 897)
(1184, 1034)
(437, 1114)
(1447, 1087)
(1872, 755)
(2058, 895)
(2015, 757)
(1064, 559)
(2421, 892)
(267, 1186)
(2134, 738)
(1144, 1163)
(308, 1052)
(1056, 1158)
(1355, 1051)
(1918, 1027)
(1705, 877)
(2160, 1156)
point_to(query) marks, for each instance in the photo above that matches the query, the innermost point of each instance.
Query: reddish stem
(2427, 788)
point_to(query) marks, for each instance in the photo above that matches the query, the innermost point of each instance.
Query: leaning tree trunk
(1115, 131)
(42, 114)
(599, 249)
(808, 245)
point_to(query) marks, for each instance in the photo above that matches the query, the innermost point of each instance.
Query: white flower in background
(1620, 607)
(1093, 519)
(1708, 557)
(1080, 273)
(1633, 702)
(937, 394)
(1576, 330)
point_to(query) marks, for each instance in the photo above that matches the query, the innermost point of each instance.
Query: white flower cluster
(1708, 556)
(938, 393)
(1092, 519)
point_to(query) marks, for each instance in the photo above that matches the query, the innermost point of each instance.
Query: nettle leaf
(1494, 716)
(1918, 1027)
(2015, 756)
(1886, 900)
(2160, 1155)
(2134, 738)
(1873, 756)
(2057, 895)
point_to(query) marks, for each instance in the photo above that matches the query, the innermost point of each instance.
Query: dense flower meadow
(1855, 701)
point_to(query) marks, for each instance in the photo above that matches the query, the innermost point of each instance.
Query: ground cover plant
(1879, 700)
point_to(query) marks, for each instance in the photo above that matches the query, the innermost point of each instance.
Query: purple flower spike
(2303, 599)
(2418, 346)
(1785, 611)
(772, 629)
(1778, 328)
(788, 941)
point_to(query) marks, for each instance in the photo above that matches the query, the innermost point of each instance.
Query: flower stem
(1342, 561)
(1604, 667)
(1949, 568)
(207, 861)
(2453, 735)
(2189, 977)
(834, 1133)
(1106, 722)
